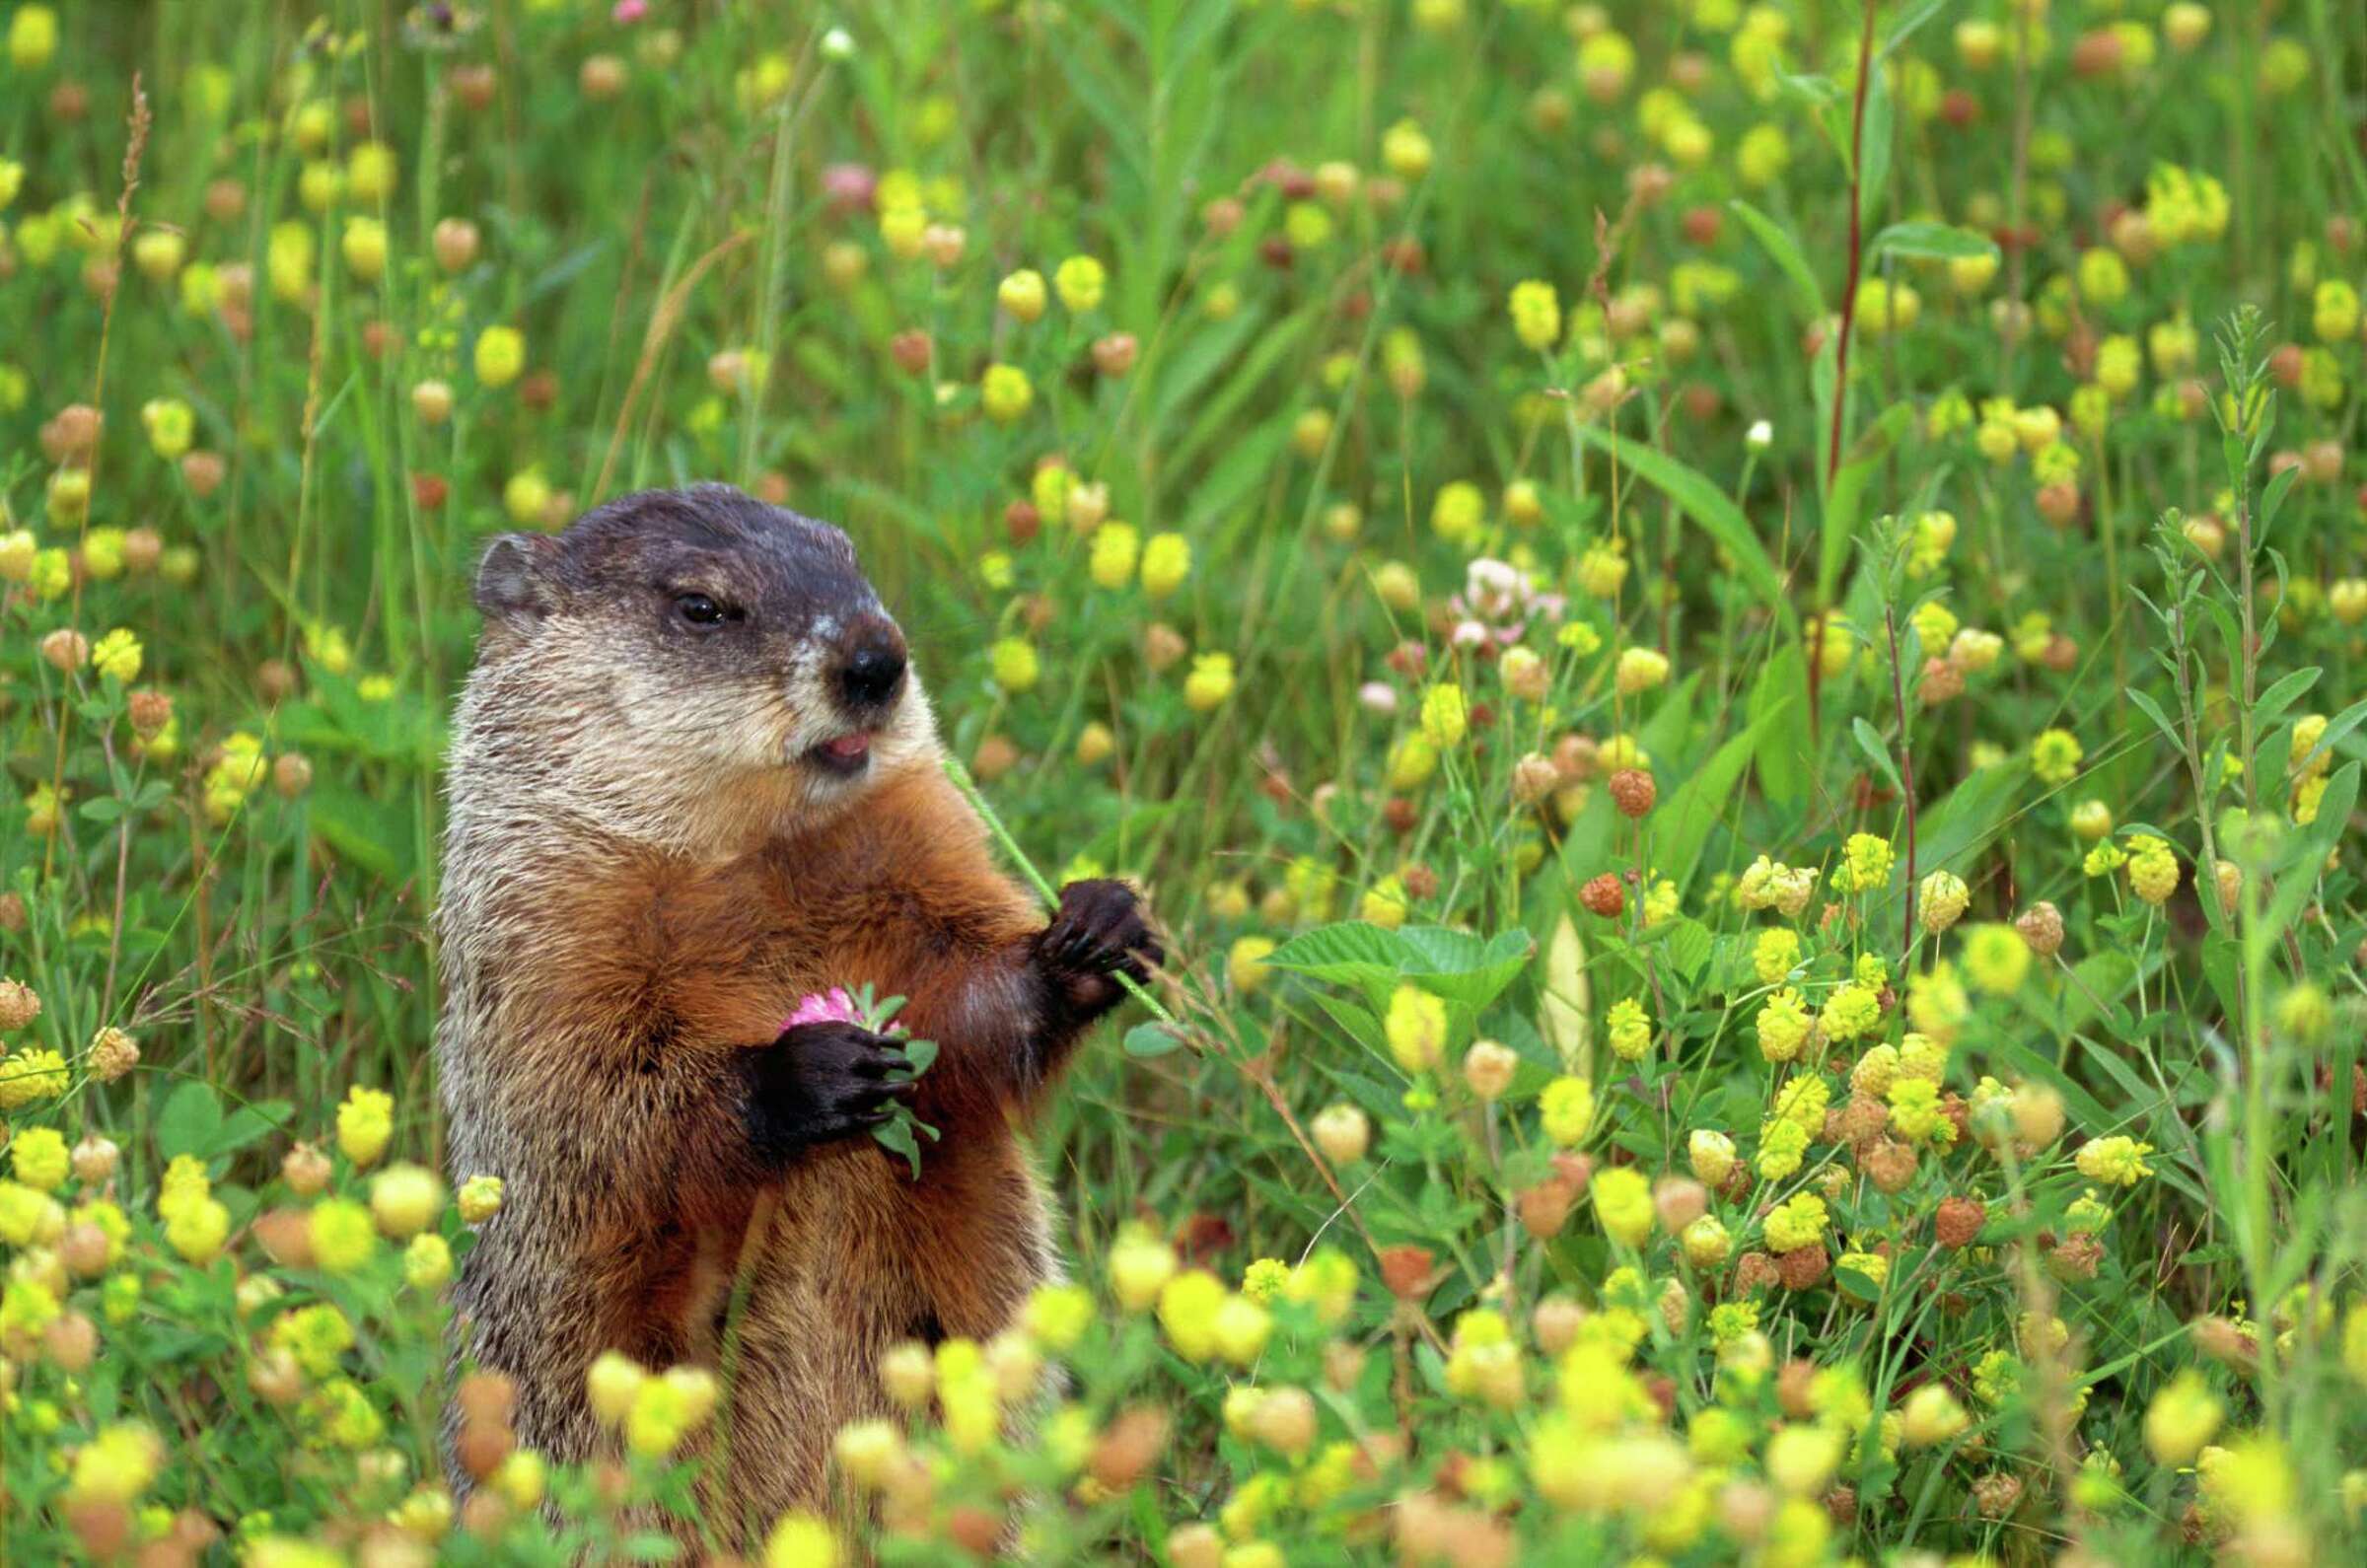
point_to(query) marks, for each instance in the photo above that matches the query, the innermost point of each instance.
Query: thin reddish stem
(1857, 149)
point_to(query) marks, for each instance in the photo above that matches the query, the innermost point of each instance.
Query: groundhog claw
(818, 1083)
(1099, 930)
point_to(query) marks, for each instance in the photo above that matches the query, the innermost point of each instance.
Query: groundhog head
(703, 641)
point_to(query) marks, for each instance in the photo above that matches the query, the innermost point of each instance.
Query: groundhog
(692, 781)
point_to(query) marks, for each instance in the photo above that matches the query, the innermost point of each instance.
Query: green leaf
(1146, 1040)
(1874, 165)
(1686, 944)
(1357, 1023)
(1781, 756)
(1460, 966)
(1709, 508)
(898, 1134)
(2153, 710)
(1909, 21)
(2104, 978)
(1779, 245)
(189, 1122)
(1932, 242)
(2340, 725)
(2300, 879)
(2273, 501)
(248, 1124)
(1856, 1284)
(1345, 953)
(1823, 375)
(1880, 754)
(1953, 832)
(1680, 824)
(2280, 696)
(373, 834)
(1859, 464)
(1816, 89)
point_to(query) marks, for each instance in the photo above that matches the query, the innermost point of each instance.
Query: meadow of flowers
(1727, 636)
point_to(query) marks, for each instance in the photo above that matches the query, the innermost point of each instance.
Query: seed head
(112, 1054)
(1803, 1268)
(95, 1159)
(2041, 927)
(1343, 1132)
(1633, 791)
(1888, 1164)
(1487, 1068)
(1677, 1201)
(65, 650)
(2075, 1258)
(1606, 893)
(995, 757)
(1959, 1221)
(1114, 355)
(1534, 778)
(20, 1005)
(306, 1170)
(291, 774)
(911, 350)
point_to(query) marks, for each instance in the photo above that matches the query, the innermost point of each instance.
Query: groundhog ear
(513, 581)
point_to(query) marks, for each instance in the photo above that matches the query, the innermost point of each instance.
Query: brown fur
(603, 977)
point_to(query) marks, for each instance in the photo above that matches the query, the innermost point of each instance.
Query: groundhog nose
(873, 670)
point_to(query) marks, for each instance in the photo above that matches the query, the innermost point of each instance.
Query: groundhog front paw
(1099, 930)
(818, 1083)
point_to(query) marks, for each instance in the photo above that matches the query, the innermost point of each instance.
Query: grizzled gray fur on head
(786, 572)
(682, 665)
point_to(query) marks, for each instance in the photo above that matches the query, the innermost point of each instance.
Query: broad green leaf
(2299, 883)
(1858, 1284)
(1708, 507)
(2103, 977)
(1461, 968)
(1780, 246)
(2340, 725)
(248, 1124)
(1932, 242)
(1876, 752)
(1813, 88)
(1860, 462)
(374, 835)
(2273, 501)
(1146, 1040)
(1914, 17)
(1874, 165)
(1782, 757)
(190, 1121)
(1357, 1023)
(1680, 823)
(1823, 373)
(1686, 943)
(1346, 953)
(2153, 710)
(1950, 833)
(2273, 701)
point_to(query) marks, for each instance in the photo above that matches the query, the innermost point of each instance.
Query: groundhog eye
(701, 611)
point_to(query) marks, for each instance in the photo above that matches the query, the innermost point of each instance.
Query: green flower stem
(968, 787)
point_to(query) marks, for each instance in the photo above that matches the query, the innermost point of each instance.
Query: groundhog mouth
(843, 757)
